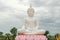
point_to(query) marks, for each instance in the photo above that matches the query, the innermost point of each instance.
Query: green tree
(13, 32)
(1, 33)
(46, 33)
(50, 37)
(7, 36)
(1, 36)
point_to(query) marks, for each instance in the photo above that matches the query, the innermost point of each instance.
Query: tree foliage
(1, 33)
(13, 30)
(46, 33)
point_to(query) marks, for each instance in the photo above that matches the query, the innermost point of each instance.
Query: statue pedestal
(31, 37)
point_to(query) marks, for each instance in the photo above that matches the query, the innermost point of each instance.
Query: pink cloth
(30, 37)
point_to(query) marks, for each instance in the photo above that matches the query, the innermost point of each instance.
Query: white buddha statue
(31, 24)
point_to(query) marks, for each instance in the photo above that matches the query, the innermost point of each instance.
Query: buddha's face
(30, 12)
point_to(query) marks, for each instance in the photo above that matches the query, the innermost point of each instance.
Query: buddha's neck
(31, 17)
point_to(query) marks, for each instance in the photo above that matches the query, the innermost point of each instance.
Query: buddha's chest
(30, 21)
(30, 24)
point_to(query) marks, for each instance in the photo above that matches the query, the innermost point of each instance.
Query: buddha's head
(30, 11)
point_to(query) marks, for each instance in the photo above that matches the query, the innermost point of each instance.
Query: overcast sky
(12, 12)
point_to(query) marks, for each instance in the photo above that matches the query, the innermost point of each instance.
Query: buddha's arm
(36, 24)
(24, 24)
